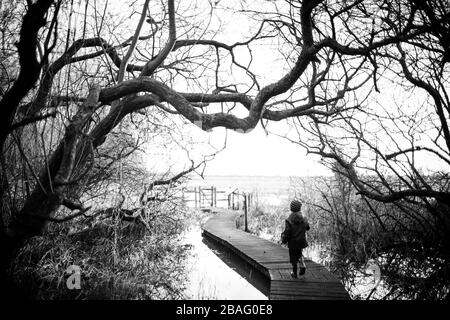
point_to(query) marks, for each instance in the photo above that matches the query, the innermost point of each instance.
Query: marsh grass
(139, 265)
(265, 220)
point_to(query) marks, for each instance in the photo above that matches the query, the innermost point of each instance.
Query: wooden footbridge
(272, 261)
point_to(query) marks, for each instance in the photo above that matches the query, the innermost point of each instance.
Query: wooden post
(195, 192)
(204, 197)
(234, 204)
(232, 201)
(245, 212)
(212, 196)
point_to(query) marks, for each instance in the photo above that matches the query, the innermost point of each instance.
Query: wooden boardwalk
(272, 261)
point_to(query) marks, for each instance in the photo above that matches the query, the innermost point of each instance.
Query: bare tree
(102, 72)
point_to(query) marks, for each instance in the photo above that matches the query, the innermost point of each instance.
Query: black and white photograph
(234, 151)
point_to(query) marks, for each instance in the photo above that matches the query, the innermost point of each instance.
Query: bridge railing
(239, 199)
(207, 197)
(204, 196)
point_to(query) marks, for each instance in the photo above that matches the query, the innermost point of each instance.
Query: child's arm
(306, 224)
(286, 234)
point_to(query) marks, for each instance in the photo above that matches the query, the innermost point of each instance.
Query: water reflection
(210, 277)
(245, 270)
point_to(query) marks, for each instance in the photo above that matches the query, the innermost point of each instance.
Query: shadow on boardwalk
(270, 261)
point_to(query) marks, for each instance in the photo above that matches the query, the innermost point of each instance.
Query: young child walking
(294, 235)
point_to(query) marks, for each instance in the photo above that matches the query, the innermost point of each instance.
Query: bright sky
(252, 153)
(256, 153)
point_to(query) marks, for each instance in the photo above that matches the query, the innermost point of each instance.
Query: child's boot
(294, 271)
(302, 268)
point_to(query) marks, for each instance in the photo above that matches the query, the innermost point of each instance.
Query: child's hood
(296, 217)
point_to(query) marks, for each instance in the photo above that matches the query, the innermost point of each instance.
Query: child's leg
(293, 257)
(294, 267)
(302, 265)
(302, 262)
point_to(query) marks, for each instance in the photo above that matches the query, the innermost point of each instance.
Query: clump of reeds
(116, 261)
(265, 220)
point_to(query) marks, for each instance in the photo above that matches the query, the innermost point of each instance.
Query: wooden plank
(305, 283)
(303, 297)
(299, 294)
(306, 288)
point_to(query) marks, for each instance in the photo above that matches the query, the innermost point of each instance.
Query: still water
(212, 278)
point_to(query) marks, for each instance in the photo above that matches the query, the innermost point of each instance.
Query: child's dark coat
(294, 234)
